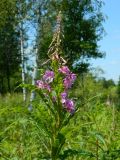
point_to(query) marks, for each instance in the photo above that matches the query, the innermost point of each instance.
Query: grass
(93, 134)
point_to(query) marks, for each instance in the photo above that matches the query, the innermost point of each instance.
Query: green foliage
(81, 26)
(9, 45)
(118, 93)
(90, 87)
(7, 9)
(94, 131)
(12, 14)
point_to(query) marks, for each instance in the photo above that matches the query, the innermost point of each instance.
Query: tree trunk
(34, 74)
(23, 61)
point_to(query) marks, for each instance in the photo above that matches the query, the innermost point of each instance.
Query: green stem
(97, 147)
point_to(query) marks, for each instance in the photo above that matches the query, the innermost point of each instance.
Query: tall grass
(93, 134)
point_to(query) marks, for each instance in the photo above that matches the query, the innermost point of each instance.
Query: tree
(34, 73)
(7, 8)
(107, 83)
(21, 17)
(82, 28)
(23, 9)
(9, 46)
(13, 30)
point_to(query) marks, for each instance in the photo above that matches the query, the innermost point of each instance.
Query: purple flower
(47, 86)
(69, 80)
(48, 76)
(64, 69)
(72, 77)
(40, 84)
(69, 105)
(67, 83)
(63, 97)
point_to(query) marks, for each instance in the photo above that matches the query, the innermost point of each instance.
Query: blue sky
(111, 42)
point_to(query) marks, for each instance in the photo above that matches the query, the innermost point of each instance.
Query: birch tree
(23, 8)
(38, 11)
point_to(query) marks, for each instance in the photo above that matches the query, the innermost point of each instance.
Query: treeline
(90, 87)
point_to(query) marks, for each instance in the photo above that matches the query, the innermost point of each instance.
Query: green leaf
(81, 153)
(59, 142)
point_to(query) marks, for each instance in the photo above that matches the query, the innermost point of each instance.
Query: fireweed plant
(64, 80)
(54, 87)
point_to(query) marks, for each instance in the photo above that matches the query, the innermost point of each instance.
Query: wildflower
(64, 69)
(63, 97)
(72, 77)
(48, 76)
(69, 80)
(47, 86)
(69, 105)
(40, 84)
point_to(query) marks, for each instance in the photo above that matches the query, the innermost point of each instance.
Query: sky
(110, 44)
